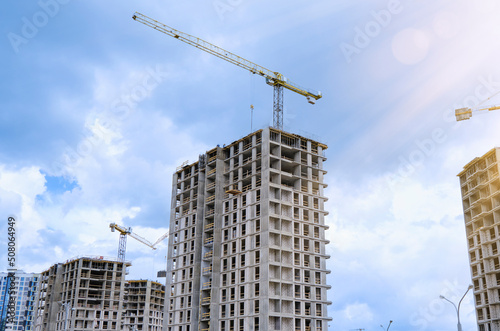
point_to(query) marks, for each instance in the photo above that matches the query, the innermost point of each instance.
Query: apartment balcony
(209, 240)
(208, 255)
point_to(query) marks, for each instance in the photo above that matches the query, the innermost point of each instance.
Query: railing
(247, 187)
(187, 211)
(209, 240)
(211, 171)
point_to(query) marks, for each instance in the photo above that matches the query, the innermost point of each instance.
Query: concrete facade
(144, 305)
(247, 248)
(480, 185)
(92, 288)
(26, 286)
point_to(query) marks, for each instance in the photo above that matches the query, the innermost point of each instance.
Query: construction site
(91, 293)
(247, 244)
(247, 249)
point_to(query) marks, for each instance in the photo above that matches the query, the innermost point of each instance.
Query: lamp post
(459, 326)
(390, 322)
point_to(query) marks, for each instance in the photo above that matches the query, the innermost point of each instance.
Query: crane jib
(272, 78)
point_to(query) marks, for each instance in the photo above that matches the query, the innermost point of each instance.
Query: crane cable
(494, 95)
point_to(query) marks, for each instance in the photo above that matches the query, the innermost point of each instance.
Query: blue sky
(97, 111)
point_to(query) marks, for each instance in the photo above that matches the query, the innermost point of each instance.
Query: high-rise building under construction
(247, 247)
(480, 186)
(84, 293)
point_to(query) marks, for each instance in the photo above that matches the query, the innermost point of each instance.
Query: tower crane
(275, 79)
(463, 114)
(122, 246)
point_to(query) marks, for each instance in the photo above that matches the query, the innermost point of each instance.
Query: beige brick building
(480, 185)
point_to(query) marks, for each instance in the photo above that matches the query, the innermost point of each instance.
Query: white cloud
(359, 312)
(19, 189)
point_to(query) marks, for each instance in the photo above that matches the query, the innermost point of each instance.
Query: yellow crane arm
(272, 77)
(463, 114)
(142, 240)
(163, 237)
(125, 231)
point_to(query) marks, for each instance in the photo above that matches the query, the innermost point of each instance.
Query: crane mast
(275, 79)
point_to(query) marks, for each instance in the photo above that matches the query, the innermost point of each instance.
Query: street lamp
(390, 322)
(459, 326)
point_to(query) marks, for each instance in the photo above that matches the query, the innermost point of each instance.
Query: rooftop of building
(93, 258)
(228, 146)
(477, 159)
